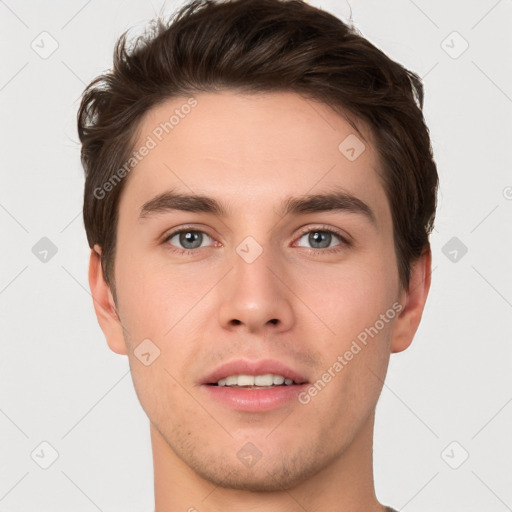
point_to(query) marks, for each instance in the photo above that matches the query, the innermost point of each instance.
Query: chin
(262, 479)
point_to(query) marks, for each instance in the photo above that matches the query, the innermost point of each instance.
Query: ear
(413, 299)
(104, 304)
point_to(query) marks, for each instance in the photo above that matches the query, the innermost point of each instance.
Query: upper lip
(248, 367)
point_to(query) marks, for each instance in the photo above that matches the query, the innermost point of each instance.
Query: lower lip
(255, 400)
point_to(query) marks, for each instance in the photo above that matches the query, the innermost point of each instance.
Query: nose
(257, 294)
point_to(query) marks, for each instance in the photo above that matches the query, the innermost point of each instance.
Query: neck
(344, 484)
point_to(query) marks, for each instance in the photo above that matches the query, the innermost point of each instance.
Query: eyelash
(322, 229)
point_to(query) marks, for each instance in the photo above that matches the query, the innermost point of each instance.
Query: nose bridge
(252, 263)
(253, 295)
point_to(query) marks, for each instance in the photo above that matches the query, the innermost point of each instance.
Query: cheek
(157, 386)
(153, 296)
(349, 298)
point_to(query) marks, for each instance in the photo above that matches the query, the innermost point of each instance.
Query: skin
(295, 303)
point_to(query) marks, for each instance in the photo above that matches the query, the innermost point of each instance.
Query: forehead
(252, 149)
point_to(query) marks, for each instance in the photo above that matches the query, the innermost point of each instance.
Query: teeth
(258, 380)
(263, 380)
(278, 380)
(245, 380)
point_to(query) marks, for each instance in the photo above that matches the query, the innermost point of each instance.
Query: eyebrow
(337, 200)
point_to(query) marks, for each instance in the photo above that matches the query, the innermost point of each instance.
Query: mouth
(247, 373)
(266, 381)
(254, 386)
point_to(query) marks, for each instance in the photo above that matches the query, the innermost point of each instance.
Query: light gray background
(61, 384)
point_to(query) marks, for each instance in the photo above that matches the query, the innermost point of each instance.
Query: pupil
(320, 237)
(190, 237)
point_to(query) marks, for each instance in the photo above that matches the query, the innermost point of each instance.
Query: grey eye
(319, 238)
(188, 239)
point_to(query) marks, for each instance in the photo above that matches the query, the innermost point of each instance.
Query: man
(259, 193)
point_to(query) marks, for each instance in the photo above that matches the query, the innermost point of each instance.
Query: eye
(187, 240)
(321, 238)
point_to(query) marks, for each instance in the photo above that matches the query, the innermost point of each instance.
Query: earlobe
(415, 298)
(104, 304)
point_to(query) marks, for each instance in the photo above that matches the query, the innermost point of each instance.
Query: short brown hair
(260, 46)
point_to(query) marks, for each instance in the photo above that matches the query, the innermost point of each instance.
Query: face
(271, 278)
